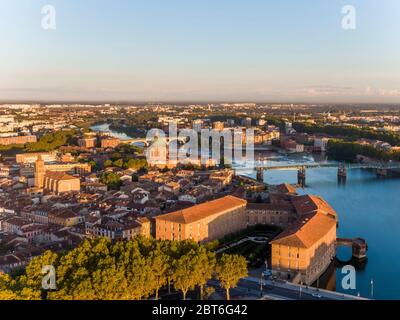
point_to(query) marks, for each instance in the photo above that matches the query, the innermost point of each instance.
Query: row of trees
(126, 270)
(133, 163)
(348, 132)
(347, 151)
(111, 180)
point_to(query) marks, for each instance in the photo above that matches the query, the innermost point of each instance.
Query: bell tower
(39, 172)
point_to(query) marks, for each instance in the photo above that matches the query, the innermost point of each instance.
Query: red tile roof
(310, 204)
(204, 210)
(306, 231)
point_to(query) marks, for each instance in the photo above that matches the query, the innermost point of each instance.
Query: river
(367, 207)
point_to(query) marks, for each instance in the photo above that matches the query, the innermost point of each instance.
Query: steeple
(39, 172)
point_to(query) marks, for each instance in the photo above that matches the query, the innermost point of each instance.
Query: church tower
(39, 172)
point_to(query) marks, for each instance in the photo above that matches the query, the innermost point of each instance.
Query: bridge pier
(260, 174)
(359, 248)
(342, 173)
(301, 177)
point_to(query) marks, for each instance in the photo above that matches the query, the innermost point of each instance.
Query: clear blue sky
(146, 50)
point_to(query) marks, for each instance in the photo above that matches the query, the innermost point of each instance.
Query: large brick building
(204, 222)
(306, 248)
(280, 215)
(303, 251)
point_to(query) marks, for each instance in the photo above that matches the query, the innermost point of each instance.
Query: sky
(200, 50)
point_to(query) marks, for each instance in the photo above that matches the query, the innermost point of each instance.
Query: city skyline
(258, 51)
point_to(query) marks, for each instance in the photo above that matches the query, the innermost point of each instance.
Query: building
(30, 158)
(118, 229)
(87, 142)
(41, 168)
(247, 122)
(307, 247)
(39, 172)
(5, 141)
(65, 218)
(110, 142)
(60, 182)
(198, 125)
(321, 144)
(157, 155)
(218, 125)
(280, 215)
(204, 222)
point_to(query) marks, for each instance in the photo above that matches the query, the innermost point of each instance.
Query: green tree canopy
(230, 269)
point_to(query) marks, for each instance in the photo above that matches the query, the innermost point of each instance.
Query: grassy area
(255, 253)
(253, 231)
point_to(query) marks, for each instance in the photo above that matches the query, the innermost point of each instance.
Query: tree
(158, 262)
(108, 163)
(52, 141)
(230, 269)
(100, 269)
(204, 270)
(29, 285)
(119, 163)
(6, 288)
(184, 276)
(111, 179)
(136, 164)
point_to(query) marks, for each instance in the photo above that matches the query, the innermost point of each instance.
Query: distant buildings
(87, 142)
(247, 122)
(321, 144)
(291, 146)
(219, 125)
(289, 128)
(5, 141)
(110, 142)
(198, 125)
(30, 158)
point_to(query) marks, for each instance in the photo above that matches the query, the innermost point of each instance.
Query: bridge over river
(373, 165)
(383, 169)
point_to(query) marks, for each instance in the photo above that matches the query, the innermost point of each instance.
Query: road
(249, 288)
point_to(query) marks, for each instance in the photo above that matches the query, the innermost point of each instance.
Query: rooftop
(59, 175)
(204, 210)
(306, 231)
